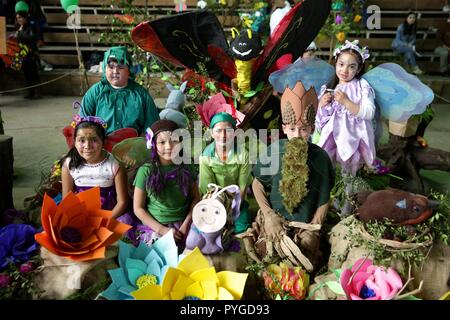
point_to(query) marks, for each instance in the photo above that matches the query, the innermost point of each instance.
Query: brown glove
(274, 225)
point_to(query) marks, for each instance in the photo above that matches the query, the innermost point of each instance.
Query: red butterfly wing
(147, 39)
(117, 136)
(223, 60)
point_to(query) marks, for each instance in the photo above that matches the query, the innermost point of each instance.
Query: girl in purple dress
(346, 110)
(88, 165)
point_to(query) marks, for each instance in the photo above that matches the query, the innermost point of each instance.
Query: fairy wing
(183, 39)
(15, 53)
(134, 149)
(117, 136)
(312, 73)
(398, 93)
(292, 35)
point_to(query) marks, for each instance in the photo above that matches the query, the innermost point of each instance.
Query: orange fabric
(83, 213)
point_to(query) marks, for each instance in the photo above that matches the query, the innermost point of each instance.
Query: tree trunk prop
(6, 174)
(405, 157)
(261, 110)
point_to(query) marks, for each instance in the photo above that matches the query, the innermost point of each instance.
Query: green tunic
(171, 205)
(129, 107)
(320, 183)
(235, 170)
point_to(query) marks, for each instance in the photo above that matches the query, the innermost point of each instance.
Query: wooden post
(2, 35)
(2, 131)
(6, 173)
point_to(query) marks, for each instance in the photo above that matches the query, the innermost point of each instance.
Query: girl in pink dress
(346, 110)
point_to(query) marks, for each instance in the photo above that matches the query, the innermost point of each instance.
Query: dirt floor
(36, 130)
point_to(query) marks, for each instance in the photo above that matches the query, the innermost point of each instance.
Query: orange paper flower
(78, 228)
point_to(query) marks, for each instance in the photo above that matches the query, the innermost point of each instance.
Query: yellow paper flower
(195, 279)
(357, 18)
(340, 36)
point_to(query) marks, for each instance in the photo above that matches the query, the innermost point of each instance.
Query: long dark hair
(410, 28)
(361, 65)
(75, 159)
(156, 181)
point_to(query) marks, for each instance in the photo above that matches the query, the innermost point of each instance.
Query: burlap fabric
(61, 277)
(435, 272)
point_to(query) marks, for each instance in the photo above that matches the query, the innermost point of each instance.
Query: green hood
(122, 55)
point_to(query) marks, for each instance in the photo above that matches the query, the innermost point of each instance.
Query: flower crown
(148, 137)
(77, 119)
(363, 52)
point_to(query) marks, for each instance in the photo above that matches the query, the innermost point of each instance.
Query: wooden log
(6, 173)
(406, 158)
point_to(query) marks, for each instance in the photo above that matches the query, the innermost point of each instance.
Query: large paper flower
(16, 244)
(366, 281)
(194, 279)
(78, 228)
(286, 282)
(141, 266)
(215, 105)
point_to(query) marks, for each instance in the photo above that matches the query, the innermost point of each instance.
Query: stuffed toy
(402, 207)
(213, 219)
(174, 106)
(245, 48)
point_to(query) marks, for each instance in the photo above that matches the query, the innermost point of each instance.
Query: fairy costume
(101, 175)
(349, 138)
(128, 107)
(293, 199)
(235, 169)
(167, 188)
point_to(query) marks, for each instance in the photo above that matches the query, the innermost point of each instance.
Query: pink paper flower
(26, 267)
(366, 281)
(4, 280)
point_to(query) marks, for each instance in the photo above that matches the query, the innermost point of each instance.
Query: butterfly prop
(16, 52)
(197, 37)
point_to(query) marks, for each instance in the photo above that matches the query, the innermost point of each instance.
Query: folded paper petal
(82, 213)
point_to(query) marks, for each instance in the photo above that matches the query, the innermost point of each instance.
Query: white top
(101, 174)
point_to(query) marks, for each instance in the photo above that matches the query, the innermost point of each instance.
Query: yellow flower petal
(179, 288)
(208, 274)
(234, 282)
(209, 290)
(150, 292)
(193, 261)
(195, 290)
(169, 280)
(224, 294)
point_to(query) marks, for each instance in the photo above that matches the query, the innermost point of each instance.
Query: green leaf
(259, 86)
(155, 66)
(337, 273)
(335, 287)
(164, 78)
(250, 93)
(226, 94)
(267, 114)
(211, 86)
(191, 91)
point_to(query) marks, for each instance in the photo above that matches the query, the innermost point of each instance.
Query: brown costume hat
(298, 106)
(163, 125)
